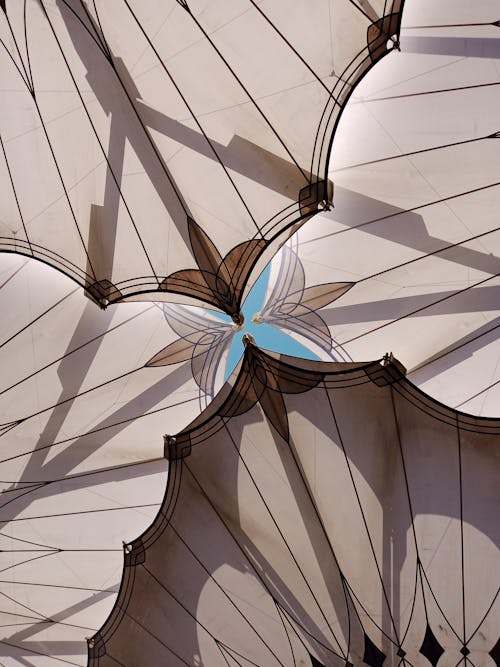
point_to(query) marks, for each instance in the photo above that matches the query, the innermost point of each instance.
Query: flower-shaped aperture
(208, 340)
(267, 335)
(292, 307)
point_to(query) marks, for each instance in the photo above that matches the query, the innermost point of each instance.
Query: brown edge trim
(397, 8)
(134, 553)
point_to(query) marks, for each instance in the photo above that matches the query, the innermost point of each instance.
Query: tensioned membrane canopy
(327, 513)
(413, 240)
(294, 533)
(152, 146)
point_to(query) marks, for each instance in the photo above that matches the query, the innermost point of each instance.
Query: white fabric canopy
(317, 514)
(413, 240)
(172, 146)
(82, 465)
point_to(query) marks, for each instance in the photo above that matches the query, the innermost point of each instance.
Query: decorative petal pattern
(263, 381)
(176, 352)
(293, 307)
(203, 339)
(219, 282)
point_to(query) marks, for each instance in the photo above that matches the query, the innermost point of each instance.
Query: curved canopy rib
(154, 147)
(294, 532)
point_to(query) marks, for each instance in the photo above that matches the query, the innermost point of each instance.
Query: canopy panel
(152, 147)
(294, 532)
(411, 250)
(82, 465)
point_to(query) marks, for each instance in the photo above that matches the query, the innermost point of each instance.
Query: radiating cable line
(96, 430)
(490, 607)
(259, 576)
(56, 164)
(151, 634)
(29, 560)
(14, 274)
(41, 618)
(223, 590)
(76, 513)
(462, 552)
(35, 652)
(482, 391)
(451, 25)
(427, 92)
(291, 47)
(45, 585)
(40, 316)
(422, 308)
(451, 349)
(195, 118)
(246, 91)
(362, 11)
(356, 492)
(76, 349)
(88, 473)
(433, 595)
(179, 602)
(11, 57)
(410, 509)
(70, 399)
(493, 135)
(391, 216)
(284, 540)
(18, 204)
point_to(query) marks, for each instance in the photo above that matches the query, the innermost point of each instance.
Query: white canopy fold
(316, 513)
(82, 465)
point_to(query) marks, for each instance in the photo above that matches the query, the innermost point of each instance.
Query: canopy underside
(149, 147)
(293, 532)
(303, 513)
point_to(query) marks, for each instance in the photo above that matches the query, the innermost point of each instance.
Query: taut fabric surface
(317, 513)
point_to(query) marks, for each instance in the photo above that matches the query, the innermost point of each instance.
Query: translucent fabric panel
(152, 147)
(316, 513)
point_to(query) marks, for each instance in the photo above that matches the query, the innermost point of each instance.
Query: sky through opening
(266, 336)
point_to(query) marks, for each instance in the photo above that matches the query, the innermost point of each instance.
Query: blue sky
(266, 336)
